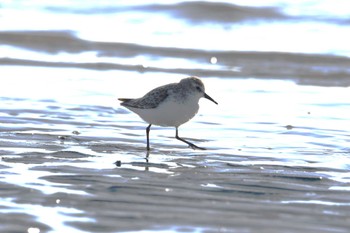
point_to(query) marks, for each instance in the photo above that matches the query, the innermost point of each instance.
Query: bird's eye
(198, 88)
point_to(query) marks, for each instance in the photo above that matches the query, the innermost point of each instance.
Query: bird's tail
(124, 99)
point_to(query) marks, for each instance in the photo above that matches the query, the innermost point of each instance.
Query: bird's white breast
(169, 113)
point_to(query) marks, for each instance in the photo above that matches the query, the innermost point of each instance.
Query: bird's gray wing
(151, 100)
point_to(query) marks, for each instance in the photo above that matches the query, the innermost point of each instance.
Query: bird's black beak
(209, 98)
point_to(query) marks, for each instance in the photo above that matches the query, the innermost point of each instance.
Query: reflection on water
(72, 160)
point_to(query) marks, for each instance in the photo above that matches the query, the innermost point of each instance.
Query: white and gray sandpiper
(170, 105)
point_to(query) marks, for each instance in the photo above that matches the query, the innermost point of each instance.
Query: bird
(169, 105)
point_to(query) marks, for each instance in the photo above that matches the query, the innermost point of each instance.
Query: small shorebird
(169, 105)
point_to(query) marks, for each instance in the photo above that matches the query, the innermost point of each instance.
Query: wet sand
(58, 159)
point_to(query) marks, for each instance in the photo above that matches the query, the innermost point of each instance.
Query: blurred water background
(73, 160)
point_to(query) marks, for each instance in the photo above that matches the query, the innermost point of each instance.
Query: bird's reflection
(147, 156)
(119, 163)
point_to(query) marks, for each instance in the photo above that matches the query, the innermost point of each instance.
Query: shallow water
(73, 160)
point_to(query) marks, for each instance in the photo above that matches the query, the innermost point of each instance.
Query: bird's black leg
(193, 146)
(147, 134)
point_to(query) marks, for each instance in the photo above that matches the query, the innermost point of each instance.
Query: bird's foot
(194, 147)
